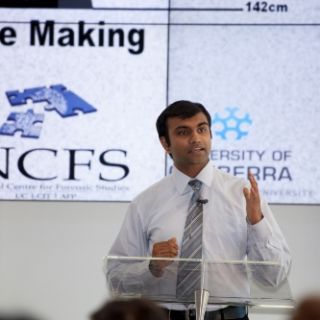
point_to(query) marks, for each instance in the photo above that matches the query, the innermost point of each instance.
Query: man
(236, 223)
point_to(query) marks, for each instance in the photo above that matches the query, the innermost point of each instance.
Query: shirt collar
(181, 180)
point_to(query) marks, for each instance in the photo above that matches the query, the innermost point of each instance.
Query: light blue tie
(189, 274)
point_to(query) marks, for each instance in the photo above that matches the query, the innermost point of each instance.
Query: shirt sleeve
(267, 243)
(132, 238)
(125, 274)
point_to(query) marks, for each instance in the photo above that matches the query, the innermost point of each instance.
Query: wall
(51, 255)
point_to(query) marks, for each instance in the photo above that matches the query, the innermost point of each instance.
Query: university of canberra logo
(58, 98)
(231, 125)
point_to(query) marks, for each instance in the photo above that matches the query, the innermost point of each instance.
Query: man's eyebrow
(203, 123)
(181, 127)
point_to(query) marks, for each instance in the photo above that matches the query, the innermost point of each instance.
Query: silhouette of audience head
(16, 316)
(132, 309)
(308, 308)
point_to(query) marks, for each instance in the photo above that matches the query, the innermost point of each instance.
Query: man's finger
(246, 193)
(253, 181)
(173, 240)
(165, 249)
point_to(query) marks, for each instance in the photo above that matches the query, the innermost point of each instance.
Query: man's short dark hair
(182, 109)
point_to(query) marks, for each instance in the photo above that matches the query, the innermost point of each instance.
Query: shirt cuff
(259, 232)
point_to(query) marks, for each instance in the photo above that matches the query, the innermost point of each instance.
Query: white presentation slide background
(263, 65)
(252, 61)
(263, 72)
(128, 91)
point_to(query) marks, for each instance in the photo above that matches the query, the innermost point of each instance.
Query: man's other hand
(254, 213)
(163, 249)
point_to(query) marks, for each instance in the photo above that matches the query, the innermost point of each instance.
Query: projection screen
(81, 90)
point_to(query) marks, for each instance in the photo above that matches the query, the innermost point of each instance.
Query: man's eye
(203, 129)
(182, 132)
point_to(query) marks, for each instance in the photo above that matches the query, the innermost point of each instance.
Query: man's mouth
(197, 149)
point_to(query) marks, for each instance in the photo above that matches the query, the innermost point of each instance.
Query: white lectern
(222, 283)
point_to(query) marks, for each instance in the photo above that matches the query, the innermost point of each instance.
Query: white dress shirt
(159, 213)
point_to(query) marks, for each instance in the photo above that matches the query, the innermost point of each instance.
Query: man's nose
(195, 137)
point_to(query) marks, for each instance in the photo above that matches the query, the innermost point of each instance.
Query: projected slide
(80, 91)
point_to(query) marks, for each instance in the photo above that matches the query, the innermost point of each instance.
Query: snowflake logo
(231, 123)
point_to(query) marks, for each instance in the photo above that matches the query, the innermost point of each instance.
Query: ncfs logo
(29, 123)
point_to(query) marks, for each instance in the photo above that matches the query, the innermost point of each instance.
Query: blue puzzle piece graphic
(60, 99)
(17, 98)
(65, 102)
(24, 122)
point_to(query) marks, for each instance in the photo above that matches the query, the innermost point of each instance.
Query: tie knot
(195, 184)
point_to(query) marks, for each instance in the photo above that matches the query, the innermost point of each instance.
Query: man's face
(190, 142)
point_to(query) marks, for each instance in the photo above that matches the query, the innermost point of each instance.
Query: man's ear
(164, 143)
